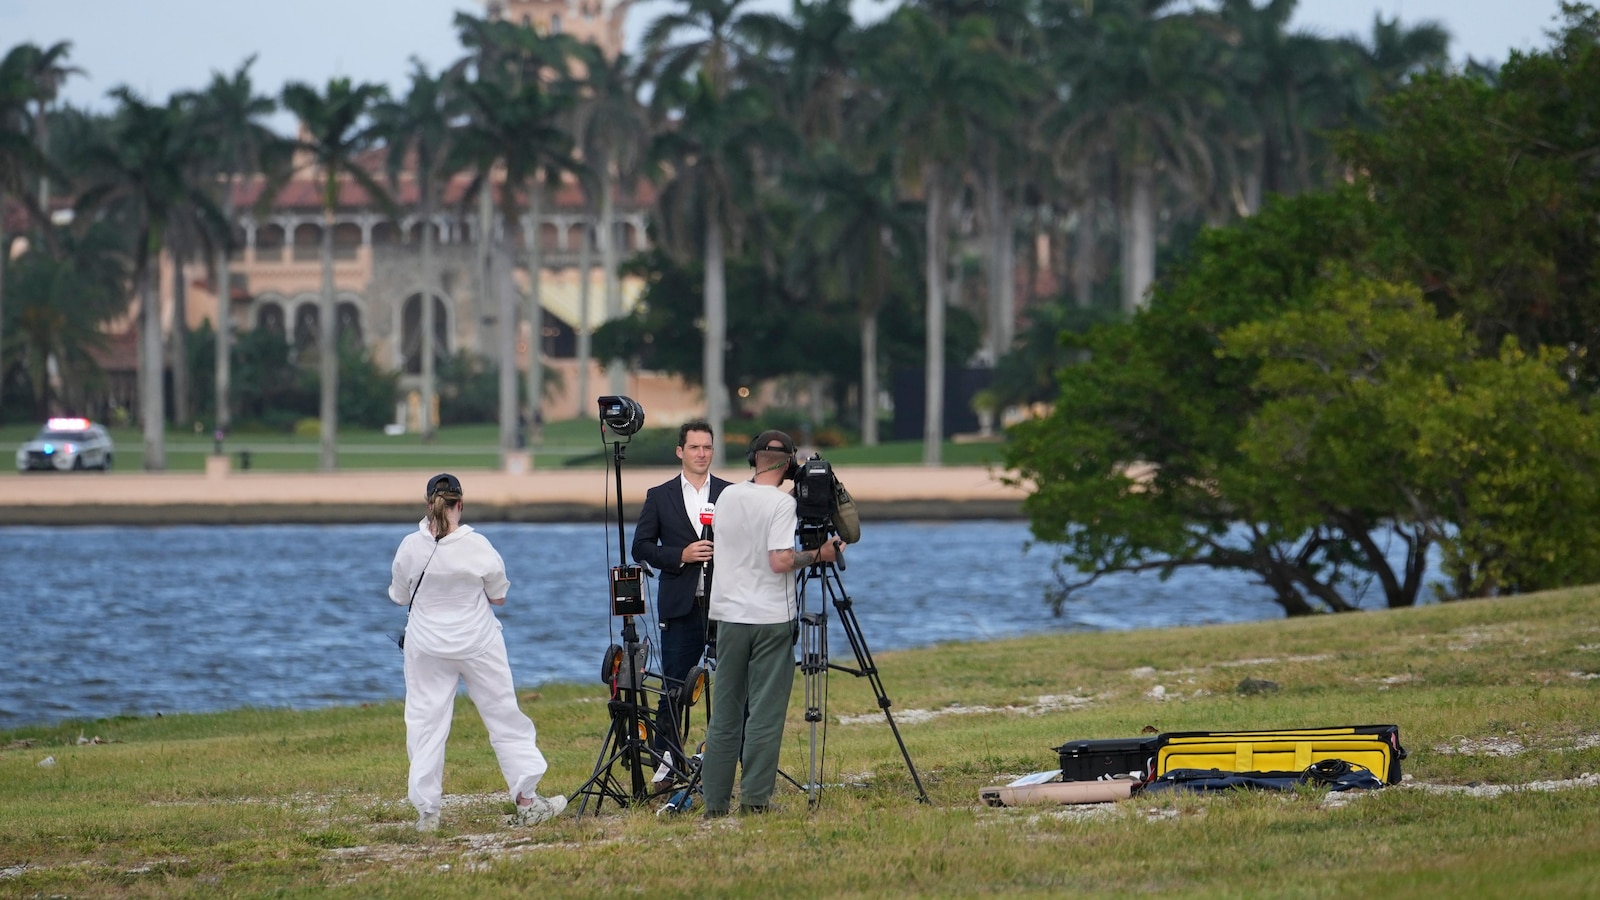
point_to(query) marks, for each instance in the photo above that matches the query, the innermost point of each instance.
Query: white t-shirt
(750, 520)
(451, 617)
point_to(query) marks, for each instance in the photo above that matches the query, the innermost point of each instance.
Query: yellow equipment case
(1373, 747)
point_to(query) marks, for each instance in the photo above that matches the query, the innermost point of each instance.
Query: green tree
(338, 130)
(22, 157)
(1492, 188)
(857, 231)
(940, 87)
(613, 130)
(60, 303)
(1374, 409)
(703, 208)
(142, 171)
(694, 55)
(1139, 465)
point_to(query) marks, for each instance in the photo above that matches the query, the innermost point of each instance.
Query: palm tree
(336, 132)
(860, 229)
(695, 80)
(22, 157)
(1137, 94)
(421, 133)
(517, 128)
(520, 104)
(143, 170)
(47, 70)
(940, 88)
(232, 118)
(703, 207)
(61, 299)
(813, 54)
(613, 131)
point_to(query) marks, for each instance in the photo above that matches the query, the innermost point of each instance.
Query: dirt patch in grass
(1045, 703)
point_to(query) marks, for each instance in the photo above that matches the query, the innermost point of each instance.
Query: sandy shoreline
(129, 498)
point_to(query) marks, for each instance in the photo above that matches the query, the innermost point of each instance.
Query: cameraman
(753, 601)
(668, 538)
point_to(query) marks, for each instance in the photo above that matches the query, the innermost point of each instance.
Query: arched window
(349, 318)
(305, 328)
(411, 334)
(269, 317)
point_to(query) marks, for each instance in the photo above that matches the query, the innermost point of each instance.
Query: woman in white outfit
(448, 575)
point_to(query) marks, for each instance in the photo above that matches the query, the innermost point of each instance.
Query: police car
(66, 444)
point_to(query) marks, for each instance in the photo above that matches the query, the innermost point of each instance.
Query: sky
(157, 47)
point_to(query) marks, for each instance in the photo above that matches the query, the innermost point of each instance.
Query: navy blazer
(659, 537)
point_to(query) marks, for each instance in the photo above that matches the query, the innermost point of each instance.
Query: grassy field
(1498, 702)
(462, 447)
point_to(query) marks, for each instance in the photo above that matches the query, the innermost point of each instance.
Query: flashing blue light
(49, 449)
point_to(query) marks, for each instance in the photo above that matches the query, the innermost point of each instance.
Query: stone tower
(598, 22)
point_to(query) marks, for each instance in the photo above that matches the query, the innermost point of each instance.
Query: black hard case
(1091, 760)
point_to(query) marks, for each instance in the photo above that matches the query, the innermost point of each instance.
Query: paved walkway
(882, 492)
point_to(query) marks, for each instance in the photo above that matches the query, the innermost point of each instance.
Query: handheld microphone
(707, 514)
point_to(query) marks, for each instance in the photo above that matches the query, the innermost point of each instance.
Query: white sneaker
(541, 809)
(663, 770)
(428, 822)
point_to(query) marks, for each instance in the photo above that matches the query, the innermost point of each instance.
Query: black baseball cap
(765, 440)
(442, 482)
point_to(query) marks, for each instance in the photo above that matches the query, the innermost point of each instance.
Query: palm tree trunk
(1005, 297)
(613, 297)
(585, 343)
(933, 385)
(430, 281)
(1083, 253)
(506, 316)
(535, 309)
(616, 372)
(180, 344)
(716, 310)
(1002, 265)
(224, 359)
(151, 412)
(869, 379)
(608, 259)
(1139, 239)
(328, 345)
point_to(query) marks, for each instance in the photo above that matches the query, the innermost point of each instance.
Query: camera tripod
(814, 662)
(633, 717)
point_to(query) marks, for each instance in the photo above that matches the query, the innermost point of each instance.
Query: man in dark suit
(671, 539)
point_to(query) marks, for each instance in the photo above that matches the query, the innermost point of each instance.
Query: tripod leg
(858, 643)
(814, 672)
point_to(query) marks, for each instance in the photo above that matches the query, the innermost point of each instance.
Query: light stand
(814, 662)
(633, 717)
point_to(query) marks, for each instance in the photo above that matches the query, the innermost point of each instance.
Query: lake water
(104, 621)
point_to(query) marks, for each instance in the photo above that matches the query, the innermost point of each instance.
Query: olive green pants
(755, 671)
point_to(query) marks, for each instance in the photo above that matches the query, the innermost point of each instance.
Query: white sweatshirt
(451, 617)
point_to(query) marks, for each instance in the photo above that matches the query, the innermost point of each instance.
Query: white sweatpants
(430, 702)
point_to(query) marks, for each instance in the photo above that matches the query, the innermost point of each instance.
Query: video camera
(813, 491)
(822, 505)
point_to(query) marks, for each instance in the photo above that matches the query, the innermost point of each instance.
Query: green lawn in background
(466, 447)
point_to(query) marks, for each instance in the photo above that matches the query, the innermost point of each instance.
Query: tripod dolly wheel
(611, 666)
(694, 685)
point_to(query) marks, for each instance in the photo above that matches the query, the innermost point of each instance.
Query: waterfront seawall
(565, 495)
